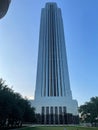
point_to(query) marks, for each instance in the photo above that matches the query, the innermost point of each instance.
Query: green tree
(89, 111)
(13, 108)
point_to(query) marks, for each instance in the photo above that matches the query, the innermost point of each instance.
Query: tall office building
(53, 97)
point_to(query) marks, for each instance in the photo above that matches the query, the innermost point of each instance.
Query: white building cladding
(53, 97)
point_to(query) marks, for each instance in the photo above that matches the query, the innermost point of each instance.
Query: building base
(57, 119)
(56, 110)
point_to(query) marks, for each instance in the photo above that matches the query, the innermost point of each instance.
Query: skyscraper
(53, 97)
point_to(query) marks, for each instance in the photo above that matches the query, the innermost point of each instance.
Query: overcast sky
(19, 35)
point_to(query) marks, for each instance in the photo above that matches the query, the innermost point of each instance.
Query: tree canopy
(89, 111)
(13, 107)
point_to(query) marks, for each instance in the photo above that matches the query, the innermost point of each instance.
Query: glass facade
(47, 115)
(52, 71)
(51, 115)
(53, 97)
(43, 112)
(56, 115)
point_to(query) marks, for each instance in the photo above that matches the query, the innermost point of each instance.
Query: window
(43, 115)
(47, 115)
(56, 115)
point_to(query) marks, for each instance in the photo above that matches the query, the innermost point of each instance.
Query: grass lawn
(59, 128)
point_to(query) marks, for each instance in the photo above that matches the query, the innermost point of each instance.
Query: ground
(59, 128)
